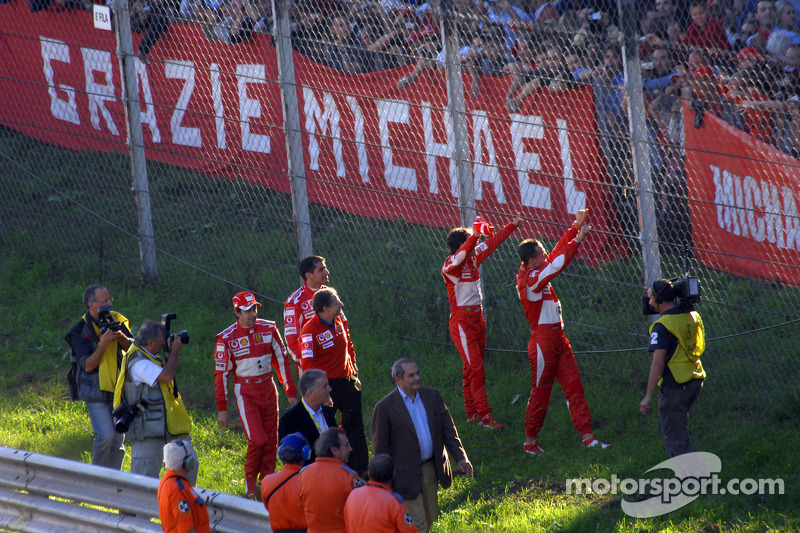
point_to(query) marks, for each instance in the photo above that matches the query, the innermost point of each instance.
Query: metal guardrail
(42, 477)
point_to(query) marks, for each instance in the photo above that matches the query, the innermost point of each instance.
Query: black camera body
(166, 318)
(125, 414)
(106, 321)
(687, 293)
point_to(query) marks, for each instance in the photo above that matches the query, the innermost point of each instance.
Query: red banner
(368, 147)
(745, 195)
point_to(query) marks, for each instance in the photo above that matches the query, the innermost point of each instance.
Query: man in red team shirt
(325, 344)
(549, 351)
(467, 325)
(249, 349)
(298, 308)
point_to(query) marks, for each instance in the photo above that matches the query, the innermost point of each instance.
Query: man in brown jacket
(413, 426)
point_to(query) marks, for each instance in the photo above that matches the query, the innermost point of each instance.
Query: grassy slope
(44, 274)
(511, 491)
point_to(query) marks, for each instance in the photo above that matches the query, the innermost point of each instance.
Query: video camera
(106, 321)
(687, 293)
(125, 414)
(166, 318)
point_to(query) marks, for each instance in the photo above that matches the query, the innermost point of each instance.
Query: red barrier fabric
(744, 202)
(369, 148)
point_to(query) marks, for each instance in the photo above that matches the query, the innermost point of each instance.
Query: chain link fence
(215, 143)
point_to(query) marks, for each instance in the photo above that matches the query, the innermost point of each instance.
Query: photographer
(97, 342)
(146, 399)
(677, 341)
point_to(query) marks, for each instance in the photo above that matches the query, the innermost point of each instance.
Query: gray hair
(149, 331)
(89, 294)
(174, 454)
(397, 368)
(309, 379)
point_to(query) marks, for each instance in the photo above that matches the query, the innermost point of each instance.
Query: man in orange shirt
(280, 492)
(326, 483)
(180, 509)
(374, 507)
(325, 344)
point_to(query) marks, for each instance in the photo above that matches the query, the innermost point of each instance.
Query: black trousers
(673, 416)
(346, 396)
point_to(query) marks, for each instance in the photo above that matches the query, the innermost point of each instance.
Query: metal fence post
(456, 108)
(640, 147)
(141, 187)
(291, 122)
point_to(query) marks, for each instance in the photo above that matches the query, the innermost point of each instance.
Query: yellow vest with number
(688, 328)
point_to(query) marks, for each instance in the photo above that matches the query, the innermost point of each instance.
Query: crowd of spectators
(736, 59)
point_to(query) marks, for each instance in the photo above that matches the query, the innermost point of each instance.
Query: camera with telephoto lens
(166, 318)
(106, 321)
(125, 414)
(686, 290)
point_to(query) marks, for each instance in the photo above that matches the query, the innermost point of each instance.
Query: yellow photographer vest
(688, 328)
(178, 420)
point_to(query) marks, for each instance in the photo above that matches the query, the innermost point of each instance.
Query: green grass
(61, 232)
(510, 491)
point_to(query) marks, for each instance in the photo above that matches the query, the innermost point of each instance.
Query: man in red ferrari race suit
(549, 351)
(249, 349)
(298, 308)
(467, 324)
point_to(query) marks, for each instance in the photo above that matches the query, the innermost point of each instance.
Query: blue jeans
(107, 449)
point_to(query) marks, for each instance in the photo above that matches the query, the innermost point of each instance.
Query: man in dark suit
(413, 425)
(313, 414)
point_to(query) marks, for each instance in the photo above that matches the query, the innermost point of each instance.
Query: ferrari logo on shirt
(260, 338)
(339, 329)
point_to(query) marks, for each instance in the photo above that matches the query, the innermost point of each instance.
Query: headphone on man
(188, 459)
(290, 445)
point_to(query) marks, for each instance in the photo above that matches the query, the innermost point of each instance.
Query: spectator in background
(522, 65)
(704, 32)
(790, 141)
(575, 64)
(551, 75)
(151, 17)
(346, 53)
(786, 16)
(236, 25)
(488, 57)
(659, 77)
(767, 19)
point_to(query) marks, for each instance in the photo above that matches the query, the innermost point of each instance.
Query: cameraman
(96, 353)
(155, 411)
(677, 340)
